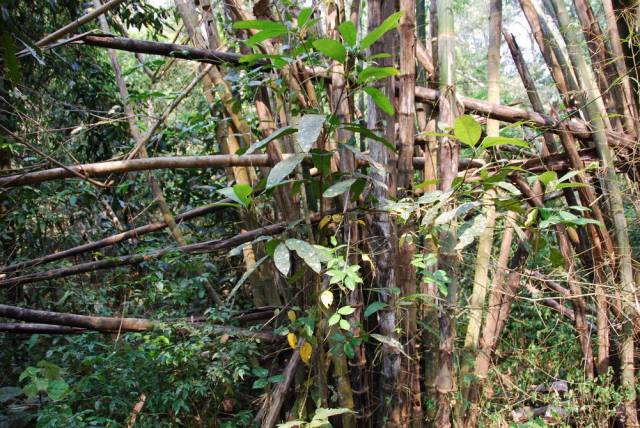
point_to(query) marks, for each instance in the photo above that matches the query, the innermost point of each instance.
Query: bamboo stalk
(616, 202)
(448, 153)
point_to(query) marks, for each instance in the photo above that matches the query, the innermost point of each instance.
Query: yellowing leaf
(292, 339)
(326, 298)
(305, 352)
(291, 315)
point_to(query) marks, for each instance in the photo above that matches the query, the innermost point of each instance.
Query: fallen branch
(197, 248)
(49, 322)
(115, 239)
(163, 49)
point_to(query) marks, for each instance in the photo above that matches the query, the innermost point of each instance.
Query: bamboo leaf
(259, 24)
(331, 48)
(283, 168)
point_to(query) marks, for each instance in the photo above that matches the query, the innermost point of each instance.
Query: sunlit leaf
(388, 24)
(467, 130)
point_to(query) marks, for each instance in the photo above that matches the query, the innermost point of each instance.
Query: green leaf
(306, 252)
(346, 310)
(56, 389)
(243, 192)
(331, 48)
(547, 177)
(283, 168)
(373, 308)
(508, 187)
(260, 372)
(388, 24)
(309, 129)
(344, 324)
(334, 319)
(260, 383)
(467, 130)
(259, 24)
(264, 35)
(338, 188)
(349, 32)
(380, 99)
(501, 141)
(287, 130)
(371, 74)
(281, 259)
(304, 15)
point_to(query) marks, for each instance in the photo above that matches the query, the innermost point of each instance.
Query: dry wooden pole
(98, 11)
(448, 153)
(163, 49)
(142, 164)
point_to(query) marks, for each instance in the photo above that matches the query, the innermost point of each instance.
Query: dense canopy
(347, 213)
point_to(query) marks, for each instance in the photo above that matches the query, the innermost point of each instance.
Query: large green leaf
(388, 24)
(338, 188)
(467, 130)
(281, 259)
(349, 32)
(306, 252)
(380, 99)
(331, 48)
(283, 168)
(309, 129)
(371, 74)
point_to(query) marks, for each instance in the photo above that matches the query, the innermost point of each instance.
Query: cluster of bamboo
(605, 119)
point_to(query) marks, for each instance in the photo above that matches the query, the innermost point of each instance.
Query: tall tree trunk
(383, 232)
